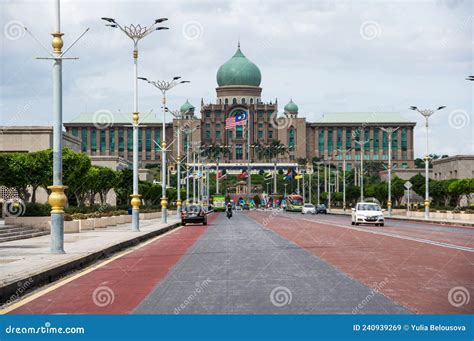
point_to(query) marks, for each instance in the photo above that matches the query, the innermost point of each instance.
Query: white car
(308, 208)
(367, 213)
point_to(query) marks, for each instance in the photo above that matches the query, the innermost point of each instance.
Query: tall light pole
(310, 173)
(389, 131)
(136, 33)
(319, 183)
(426, 114)
(362, 154)
(164, 86)
(344, 153)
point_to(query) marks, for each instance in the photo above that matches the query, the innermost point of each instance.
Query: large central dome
(239, 71)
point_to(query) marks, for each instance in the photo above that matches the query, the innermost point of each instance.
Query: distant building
(33, 138)
(453, 167)
(238, 90)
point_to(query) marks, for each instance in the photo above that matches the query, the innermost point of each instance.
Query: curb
(444, 223)
(50, 275)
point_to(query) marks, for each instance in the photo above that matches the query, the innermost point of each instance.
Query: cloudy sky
(329, 56)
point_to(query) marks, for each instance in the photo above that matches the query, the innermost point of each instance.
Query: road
(274, 262)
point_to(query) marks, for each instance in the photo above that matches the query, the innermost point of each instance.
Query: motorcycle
(229, 214)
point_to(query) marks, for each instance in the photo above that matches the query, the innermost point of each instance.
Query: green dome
(186, 107)
(291, 106)
(239, 71)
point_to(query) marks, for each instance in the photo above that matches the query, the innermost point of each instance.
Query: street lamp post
(136, 33)
(426, 114)
(362, 144)
(163, 86)
(389, 131)
(344, 153)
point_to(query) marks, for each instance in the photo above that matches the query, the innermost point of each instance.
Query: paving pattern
(239, 267)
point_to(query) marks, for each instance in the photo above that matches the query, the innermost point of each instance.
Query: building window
(394, 144)
(112, 140)
(186, 143)
(357, 139)
(217, 114)
(321, 141)
(260, 134)
(121, 144)
(208, 114)
(234, 100)
(238, 152)
(251, 101)
(148, 139)
(84, 139)
(260, 126)
(260, 113)
(93, 139)
(75, 132)
(218, 126)
(229, 134)
(102, 141)
(404, 165)
(348, 138)
(226, 101)
(291, 139)
(208, 126)
(218, 134)
(348, 167)
(404, 139)
(330, 141)
(270, 134)
(140, 135)
(239, 132)
(243, 100)
(376, 141)
(339, 138)
(129, 139)
(376, 156)
(208, 135)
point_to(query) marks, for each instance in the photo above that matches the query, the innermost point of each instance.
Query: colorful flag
(298, 176)
(243, 175)
(268, 176)
(289, 175)
(237, 120)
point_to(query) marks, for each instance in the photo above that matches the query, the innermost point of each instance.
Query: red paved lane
(419, 276)
(429, 232)
(119, 286)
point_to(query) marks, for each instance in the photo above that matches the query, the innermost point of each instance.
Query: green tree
(75, 174)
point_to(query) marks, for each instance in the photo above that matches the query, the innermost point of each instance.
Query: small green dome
(187, 107)
(239, 71)
(291, 106)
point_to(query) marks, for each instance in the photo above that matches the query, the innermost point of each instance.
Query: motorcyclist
(228, 210)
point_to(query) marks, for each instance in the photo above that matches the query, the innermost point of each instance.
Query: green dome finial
(186, 107)
(291, 106)
(239, 71)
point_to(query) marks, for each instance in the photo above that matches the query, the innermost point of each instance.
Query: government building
(330, 138)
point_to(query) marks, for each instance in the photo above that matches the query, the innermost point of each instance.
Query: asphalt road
(278, 263)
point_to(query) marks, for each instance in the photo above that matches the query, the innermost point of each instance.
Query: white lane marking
(420, 240)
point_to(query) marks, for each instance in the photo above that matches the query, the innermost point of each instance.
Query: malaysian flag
(239, 119)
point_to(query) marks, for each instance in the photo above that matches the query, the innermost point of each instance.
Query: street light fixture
(164, 86)
(426, 114)
(470, 78)
(389, 131)
(136, 33)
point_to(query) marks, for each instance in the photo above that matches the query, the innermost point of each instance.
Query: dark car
(321, 209)
(194, 214)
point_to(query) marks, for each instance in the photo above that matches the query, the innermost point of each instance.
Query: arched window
(243, 100)
(220, 101)
(291, 139)
(234, 100)
(226, 101)
(251, 101)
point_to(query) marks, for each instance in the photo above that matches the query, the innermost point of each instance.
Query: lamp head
(157, 21)
(413, 108)
(112, 20)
